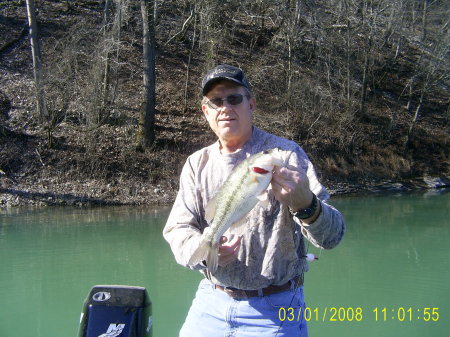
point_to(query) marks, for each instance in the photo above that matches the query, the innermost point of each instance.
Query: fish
(246, 185)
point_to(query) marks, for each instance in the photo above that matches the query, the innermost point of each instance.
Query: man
(262, 270)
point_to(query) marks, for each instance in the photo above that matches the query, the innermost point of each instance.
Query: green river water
(388, 277)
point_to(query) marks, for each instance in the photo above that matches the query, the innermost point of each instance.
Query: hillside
(363, 90)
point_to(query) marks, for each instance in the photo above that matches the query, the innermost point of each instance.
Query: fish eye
(266, 152)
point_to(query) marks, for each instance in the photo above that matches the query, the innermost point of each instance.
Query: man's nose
(226, 106)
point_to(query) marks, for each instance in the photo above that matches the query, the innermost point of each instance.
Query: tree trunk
(424, 20)
(107, 56)
(362, 106)
(37, 69)
(110, 80)
(186, 85)
(348, 62)
(413, 17)
(106, 13)
(146, 128)
(367, 58)
(414, 120)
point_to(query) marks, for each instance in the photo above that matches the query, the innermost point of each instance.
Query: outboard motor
(116, 311)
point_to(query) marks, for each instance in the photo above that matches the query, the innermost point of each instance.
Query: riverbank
(96, 193)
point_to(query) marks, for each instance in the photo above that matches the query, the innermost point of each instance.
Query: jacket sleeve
(328, 229)
(183, 228)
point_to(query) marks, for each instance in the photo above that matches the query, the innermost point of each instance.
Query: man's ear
(204, 108)
(252, 102)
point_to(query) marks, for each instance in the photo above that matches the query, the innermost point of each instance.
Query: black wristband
(308, 212)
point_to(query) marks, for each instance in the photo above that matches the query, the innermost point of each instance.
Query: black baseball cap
(224, 72)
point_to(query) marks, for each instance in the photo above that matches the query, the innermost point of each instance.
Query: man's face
(231, 123)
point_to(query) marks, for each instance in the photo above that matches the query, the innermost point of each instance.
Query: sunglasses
(233, 99)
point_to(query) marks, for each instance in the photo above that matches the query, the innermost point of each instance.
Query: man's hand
(291, 187)
(228, 250)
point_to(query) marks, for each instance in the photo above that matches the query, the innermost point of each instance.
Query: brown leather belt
(272, 289)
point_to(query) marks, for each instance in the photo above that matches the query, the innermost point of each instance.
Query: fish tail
(207, 252)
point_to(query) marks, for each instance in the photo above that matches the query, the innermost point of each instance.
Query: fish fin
(212, 260)
(239, 227)
(263, 199)
(206, 252)
(210, 209)
(278, 162)
(277, 159)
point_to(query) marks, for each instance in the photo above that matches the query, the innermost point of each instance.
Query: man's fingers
(292, 168)
(228, 252)
(279, 180)
(235, 240)
(229, 246)
(285, 176)
(281, 187)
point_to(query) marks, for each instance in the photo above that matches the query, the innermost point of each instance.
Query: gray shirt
(273, 248)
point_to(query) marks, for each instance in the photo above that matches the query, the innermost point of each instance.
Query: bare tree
(106, 67)
(146, 127)
(37, 68)
(431, 70)
(188, 66)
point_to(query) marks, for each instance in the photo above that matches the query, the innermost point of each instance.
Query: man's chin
(228, 130)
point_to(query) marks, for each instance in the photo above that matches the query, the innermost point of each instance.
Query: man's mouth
(226, 119)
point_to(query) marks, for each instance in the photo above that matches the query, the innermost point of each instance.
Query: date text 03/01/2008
(358, 314)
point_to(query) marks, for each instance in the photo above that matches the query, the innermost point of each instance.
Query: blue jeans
(215, 314)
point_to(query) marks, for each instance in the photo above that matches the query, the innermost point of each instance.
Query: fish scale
(231, 202)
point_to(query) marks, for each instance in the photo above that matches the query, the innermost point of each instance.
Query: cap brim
(208, 86)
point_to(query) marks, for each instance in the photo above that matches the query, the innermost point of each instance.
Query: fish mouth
(260, 170)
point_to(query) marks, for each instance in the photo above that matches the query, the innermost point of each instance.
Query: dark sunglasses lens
(234, 99)
(215, 102)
